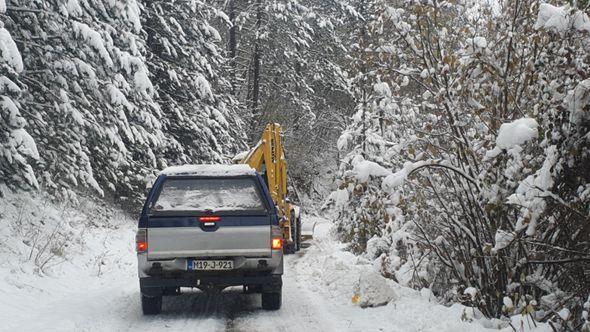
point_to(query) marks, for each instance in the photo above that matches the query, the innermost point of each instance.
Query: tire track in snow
(302, 309)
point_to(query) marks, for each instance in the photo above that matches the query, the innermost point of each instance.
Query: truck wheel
(272, 301)
(151, 305)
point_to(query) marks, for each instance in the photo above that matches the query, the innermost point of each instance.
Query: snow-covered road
(316, 297)
(78, 301)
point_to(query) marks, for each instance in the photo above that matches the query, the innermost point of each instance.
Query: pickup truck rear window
(209, 194)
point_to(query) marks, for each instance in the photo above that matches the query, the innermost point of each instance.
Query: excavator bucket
(307, 229)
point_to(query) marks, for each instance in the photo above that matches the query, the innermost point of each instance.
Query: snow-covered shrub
(365, 215)
(39, 234)
(489, 180)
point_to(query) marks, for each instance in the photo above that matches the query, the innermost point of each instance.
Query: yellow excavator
(268, 158)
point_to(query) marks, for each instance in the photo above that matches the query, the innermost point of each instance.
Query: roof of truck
(209, 170)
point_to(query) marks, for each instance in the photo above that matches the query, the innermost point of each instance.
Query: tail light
(277, 243)
(141, 244)
(209, 219)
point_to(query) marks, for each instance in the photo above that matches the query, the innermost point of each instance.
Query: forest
(449, 141)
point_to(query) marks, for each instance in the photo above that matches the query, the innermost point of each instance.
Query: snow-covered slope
(63, 268)
(91, 284)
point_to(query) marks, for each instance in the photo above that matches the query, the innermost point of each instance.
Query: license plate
(210, 265)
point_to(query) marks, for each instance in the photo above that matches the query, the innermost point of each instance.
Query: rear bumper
(207, 281)
(154, 286)
(173, 267)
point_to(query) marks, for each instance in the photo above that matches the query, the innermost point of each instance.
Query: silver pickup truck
(209, 227)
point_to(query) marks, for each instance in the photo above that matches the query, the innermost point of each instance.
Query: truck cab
(209, 227)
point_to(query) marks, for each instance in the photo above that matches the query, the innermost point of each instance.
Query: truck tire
(272, 300)
(151, 305)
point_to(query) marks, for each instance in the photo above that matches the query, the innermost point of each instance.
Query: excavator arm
(268, 158)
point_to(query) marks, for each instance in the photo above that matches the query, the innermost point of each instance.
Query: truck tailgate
(172, 237)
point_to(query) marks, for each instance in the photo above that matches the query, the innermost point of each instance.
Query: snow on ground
(91, 285)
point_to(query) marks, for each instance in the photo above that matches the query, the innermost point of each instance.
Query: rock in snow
(372, 290)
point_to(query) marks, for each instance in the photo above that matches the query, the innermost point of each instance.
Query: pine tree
(185, 60)
(18, 151)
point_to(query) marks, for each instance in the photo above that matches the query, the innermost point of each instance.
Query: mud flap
(152, 291)
(274, 286)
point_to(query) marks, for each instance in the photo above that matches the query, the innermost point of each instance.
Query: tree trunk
(232, 45)
(256, 65)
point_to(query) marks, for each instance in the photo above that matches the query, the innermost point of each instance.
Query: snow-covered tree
(112, 91)
(88, 97)
(280, 74)
(185, 61)
(17, 148)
